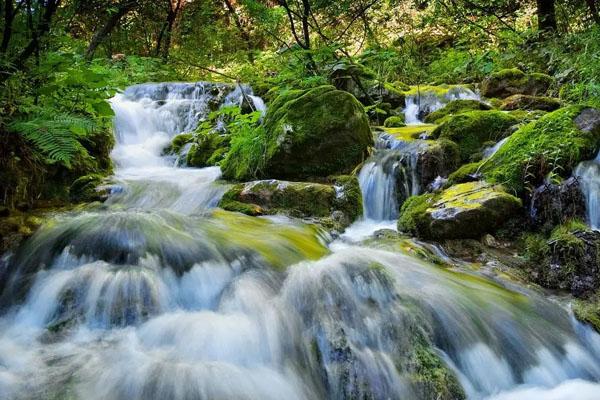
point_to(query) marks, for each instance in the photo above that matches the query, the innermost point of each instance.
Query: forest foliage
(62, 60)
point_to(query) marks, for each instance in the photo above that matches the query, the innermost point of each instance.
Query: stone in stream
(471, 130)
(526, 102)
(466, 210)
(507, 82)
(567, 260)
(395, 121)
(553, 204)
(307, 133)
(339, 202)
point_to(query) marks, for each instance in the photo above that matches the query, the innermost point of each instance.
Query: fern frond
(56, 137)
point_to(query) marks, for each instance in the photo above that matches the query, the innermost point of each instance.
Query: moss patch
(456, 107)
(552, 144)
(466, 210)
(507, 82)
(526, 102)
(472, 129)
(396, 121)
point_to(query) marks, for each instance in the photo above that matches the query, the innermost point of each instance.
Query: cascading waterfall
(157, 295)
(589, 175)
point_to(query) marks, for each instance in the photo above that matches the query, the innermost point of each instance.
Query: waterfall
(589, 175)
(426, 101)
(158, 295)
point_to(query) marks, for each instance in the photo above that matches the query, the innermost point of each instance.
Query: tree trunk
(10, 11)
(546, 14)
(43, 27)
(108, 27)
(167, 30)
(240, 27)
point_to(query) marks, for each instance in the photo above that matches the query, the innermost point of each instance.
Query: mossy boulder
(307, 133)
(339, 200)
(466, 210)
(508, 82)
(466, 173)
(88, 188)
(588, 310)
(396, 121)
(569, 259)
(555, 143)
(526, 102)
(472, 129)
(178, 143)
(208, 149)
(456, 107)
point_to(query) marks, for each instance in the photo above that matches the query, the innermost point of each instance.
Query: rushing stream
(157, 294)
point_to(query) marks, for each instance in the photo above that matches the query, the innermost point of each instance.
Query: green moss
(413, 214)
(507, 82)
(396, 121)
(456, 107)
(588, 310)
(433, 376)
(279, 244)
(83, 189)
(439, 90)
(526, 102)
(470, 130)
(412, 132)
(178, 142)
(307, 133)
(348, 198)
(552, 144)
(465, 173)
(466, 210)
(208, 149)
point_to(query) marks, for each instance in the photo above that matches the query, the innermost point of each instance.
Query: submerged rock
(526, 102)
(456, 107)
(465, 210)
(508, 82)
(341, 200)
(307, 133)
(554, 144)
(473, 129)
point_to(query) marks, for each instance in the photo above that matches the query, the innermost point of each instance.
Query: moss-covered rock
(466, 210)
(307, 133)
(472, 129)
(339, 200)
(507, 82)
(588, 310)
(569, 259)
(555, 143)
(208, 149)
(88, 188)
(178, 142)
(526, 102)
(466, 173)
(396, 121)
(456, 107)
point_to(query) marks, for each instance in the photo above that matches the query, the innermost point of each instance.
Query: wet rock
(396, 121)
(553, 204)
(568, 260)
(88, 188)
(526, 102)
(588, 120)
(508, 82)
(339, 200)
(466, 210)
(307, 133)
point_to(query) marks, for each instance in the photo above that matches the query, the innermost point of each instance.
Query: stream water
(157, 294)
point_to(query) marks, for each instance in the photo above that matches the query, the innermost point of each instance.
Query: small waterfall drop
(589, 174)
(427, 101)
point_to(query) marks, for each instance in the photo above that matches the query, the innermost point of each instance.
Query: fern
(56, 137)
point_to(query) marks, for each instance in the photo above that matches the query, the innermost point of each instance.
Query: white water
(146, 298)
(426, 102)
(589, 175)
